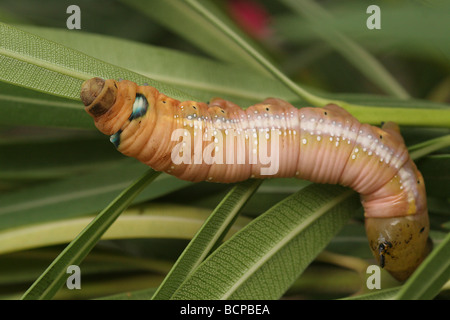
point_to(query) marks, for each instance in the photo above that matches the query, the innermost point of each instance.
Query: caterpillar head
(98, 95)
(109, 102)
(399, 244)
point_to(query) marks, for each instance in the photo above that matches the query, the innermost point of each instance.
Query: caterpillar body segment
(221, 142)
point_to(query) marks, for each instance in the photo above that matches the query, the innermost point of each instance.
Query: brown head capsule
(98, 95)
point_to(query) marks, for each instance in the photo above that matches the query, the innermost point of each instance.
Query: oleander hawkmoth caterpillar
(221, 142)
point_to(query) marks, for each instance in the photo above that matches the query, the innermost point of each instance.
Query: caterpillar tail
(399, 242)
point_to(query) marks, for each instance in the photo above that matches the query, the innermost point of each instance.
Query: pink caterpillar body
(221, 142)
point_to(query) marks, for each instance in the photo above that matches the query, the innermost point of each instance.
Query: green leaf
(21, 106)
(430, 276)
(284, 240)
(436, 170)
(77, 196)
(54, 157)
(179, 17)
(159, 221)
(319, 20)
(145, 294)
(37, 66)
(431, 117)
(426, 147)
(385, 294)
(189, 73)
(46, 286)
(212, 231)
(400, 33)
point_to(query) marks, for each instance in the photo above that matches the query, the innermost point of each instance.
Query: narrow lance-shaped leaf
(179, 17)
(46, 286)
(151, 221)
(282, 241)
(54, 69)
(80, 195)
(27, 107)
(432, 117)
(354, 53)
(210, 233)
(430, 276)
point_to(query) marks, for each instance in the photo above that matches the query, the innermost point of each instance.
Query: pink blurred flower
(251, 16)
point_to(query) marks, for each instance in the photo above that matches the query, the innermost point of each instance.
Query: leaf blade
(430, 276)
(46, 286)
(210, 233)
(241, 267)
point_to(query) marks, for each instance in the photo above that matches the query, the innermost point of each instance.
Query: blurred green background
(55, 169)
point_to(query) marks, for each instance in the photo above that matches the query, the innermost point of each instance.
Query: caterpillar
(221, 142)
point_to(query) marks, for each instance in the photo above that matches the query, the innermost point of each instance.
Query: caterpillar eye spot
(325, 113)
(222, 111)
(140, 107)
(115, 139)
(421, 230)
(194, 107)
(381, 137)
(418, 181)
(267, 109)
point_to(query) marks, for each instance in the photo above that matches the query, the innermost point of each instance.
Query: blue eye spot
(115, 138)
(140, 107)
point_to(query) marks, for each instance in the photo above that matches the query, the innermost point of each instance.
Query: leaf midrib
(50, 103)
(64, 197)
(44, 64)
(292, 234)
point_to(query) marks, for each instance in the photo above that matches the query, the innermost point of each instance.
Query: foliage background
(57, 172)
